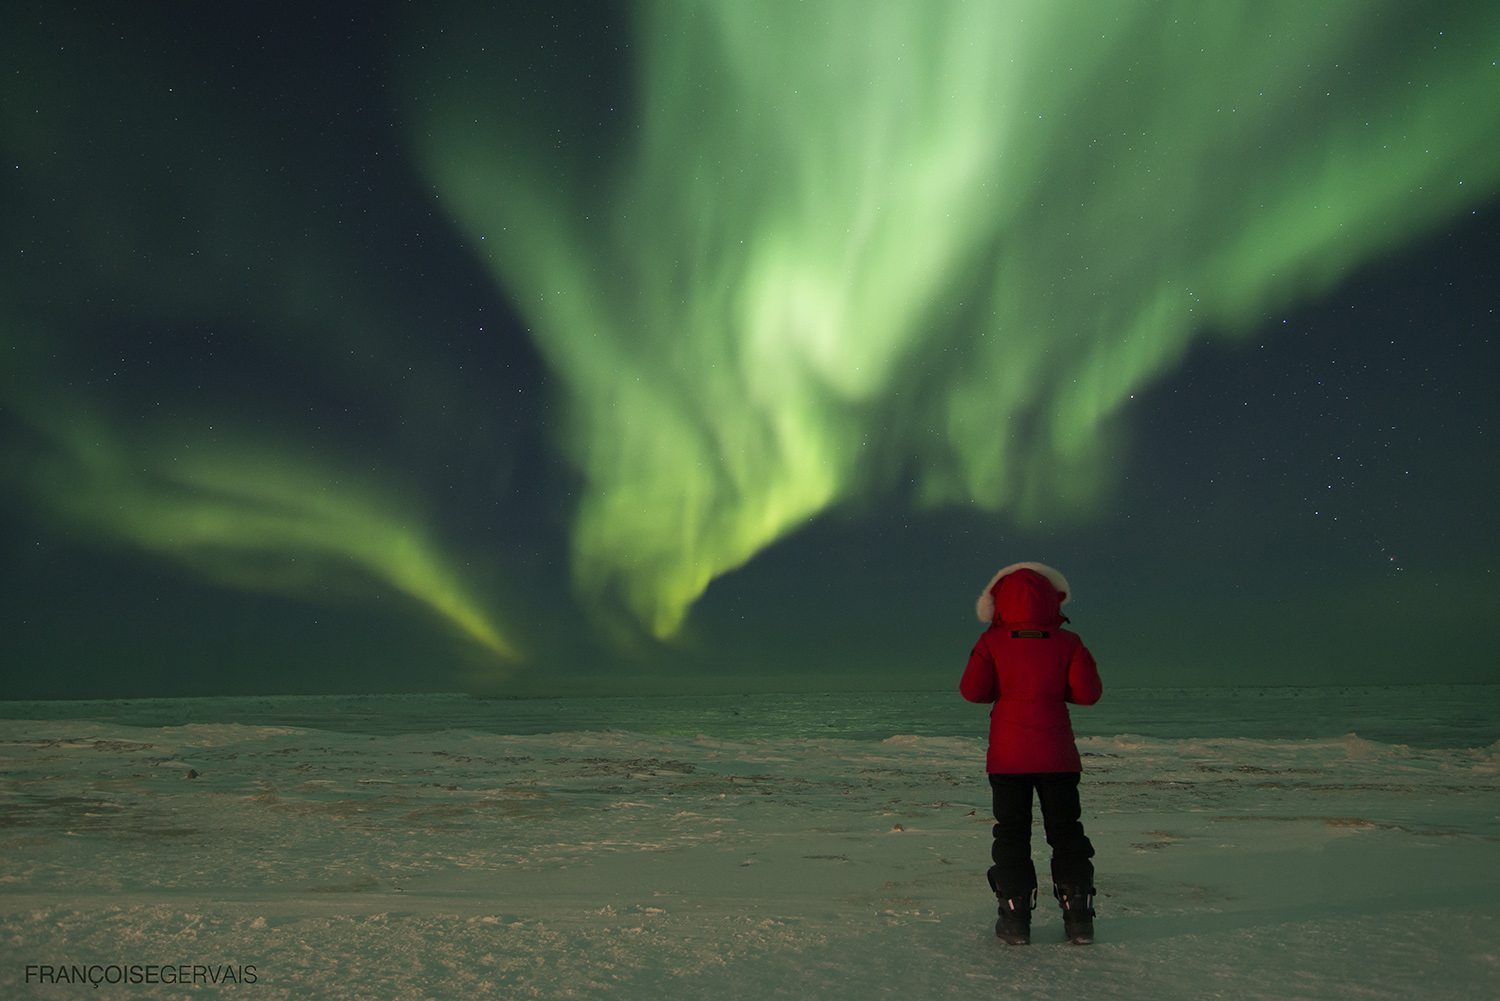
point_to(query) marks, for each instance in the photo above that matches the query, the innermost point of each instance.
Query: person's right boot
(1013, 926)
(1078, 912)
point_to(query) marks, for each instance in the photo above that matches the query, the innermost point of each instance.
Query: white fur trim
(985, 606)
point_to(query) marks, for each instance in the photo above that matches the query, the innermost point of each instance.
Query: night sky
(694, 346)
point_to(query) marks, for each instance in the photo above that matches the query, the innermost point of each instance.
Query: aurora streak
(842, 248)
(254, 517)
(208, 474)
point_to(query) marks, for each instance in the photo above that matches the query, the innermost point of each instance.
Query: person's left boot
(1013, 926)
(1078, 912)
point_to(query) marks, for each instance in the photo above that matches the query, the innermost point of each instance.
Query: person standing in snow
(1030, 667)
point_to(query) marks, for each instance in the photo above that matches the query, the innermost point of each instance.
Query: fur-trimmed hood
(985, 606)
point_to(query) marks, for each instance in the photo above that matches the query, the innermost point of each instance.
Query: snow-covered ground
(1250, 845)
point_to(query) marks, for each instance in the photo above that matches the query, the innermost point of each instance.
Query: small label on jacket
(1029, 634)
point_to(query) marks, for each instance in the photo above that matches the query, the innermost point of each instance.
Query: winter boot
(1013, 926)
(1078, 912)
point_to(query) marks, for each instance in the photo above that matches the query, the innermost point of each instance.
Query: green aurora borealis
(738, 296)
(502, 338)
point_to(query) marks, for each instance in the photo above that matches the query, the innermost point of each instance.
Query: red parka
(1030, 667)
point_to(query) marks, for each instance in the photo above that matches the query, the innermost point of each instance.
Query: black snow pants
(1013, 874)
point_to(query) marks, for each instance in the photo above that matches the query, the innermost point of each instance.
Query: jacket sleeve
(978, 683)
(1084, 687)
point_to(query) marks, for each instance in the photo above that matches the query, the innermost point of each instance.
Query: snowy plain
(1252, 843)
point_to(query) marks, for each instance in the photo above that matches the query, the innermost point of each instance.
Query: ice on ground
(453, 862)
